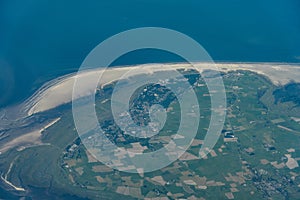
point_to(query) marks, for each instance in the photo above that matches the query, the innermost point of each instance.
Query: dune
(59, 91)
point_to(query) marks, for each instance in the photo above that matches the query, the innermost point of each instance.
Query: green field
(254, 166)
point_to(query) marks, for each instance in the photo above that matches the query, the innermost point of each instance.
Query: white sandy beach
(58, 93)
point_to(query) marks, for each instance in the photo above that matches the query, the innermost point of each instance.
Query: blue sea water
(40, 40)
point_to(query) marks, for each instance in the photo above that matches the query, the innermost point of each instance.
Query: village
(188, 177)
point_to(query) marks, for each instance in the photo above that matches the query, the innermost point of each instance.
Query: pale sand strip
(59, 93)
(12, 185)
(9, 183)
(32, 138)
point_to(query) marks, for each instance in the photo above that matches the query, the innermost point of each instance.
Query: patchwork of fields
(256, 156)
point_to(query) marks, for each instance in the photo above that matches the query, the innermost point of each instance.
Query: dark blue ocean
(40, 40)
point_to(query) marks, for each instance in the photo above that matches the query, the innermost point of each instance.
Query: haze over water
(40, 40)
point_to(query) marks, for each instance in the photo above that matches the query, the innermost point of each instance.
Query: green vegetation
(254, 164)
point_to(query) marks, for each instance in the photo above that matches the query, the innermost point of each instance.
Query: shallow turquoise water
(40, 40)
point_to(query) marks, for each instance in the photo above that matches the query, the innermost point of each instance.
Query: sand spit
(12, 185)
(59, 91)
(8, 182)
(28, 139)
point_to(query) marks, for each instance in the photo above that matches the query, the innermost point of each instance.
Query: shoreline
(59, 91)
(28, 139)
(10, 183)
